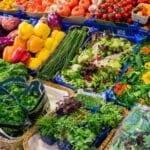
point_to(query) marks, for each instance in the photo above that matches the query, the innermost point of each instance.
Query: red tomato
(98, 14)
(85, 4)
(118, 16)
(63, 10)
(111, 16)
(130, 7)
(78, 11)
(105, 16)
(102, 6)
(116, 1)
(129, 20)
(110, 9)
(126, 15)
(129, 1)
(71, 3)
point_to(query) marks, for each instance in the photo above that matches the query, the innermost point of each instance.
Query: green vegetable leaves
(11, 70)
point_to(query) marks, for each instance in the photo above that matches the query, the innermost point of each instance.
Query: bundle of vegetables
(8, 70)
(97, 67)
(13, 118)
(33, 45)
(80, 128)
(29, 95)
(20, 104)
(64, 53)
(134, 85)
(134, 132)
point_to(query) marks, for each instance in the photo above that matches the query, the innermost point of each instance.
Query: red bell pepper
(20, 55)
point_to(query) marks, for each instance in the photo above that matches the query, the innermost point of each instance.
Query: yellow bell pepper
(60, 36)
(25, 30)
(54, 33)
(43, 55)
(34, 63)
(54, 46)
(42, 30)
(48, 43)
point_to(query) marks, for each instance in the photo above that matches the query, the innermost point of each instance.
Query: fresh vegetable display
(33, 45)
(81, 124)
(134, 131)
(97, 67)
(64, 53)
(8, 70)
(134, 85)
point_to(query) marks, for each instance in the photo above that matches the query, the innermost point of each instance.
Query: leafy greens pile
(11, 70)
(97, 67)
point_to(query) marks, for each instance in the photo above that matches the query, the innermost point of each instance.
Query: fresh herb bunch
(111, 113)
(68, 105)
(48, 125)
(81, 139)
(11, 112)
(89, 100)
(27, 100)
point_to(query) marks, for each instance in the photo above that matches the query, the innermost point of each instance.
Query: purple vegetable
(4, 41)
(54, 21)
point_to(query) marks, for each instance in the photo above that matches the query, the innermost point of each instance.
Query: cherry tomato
(116, 1)
(105, 16)
(110, 9)
(129, 20)
(118, 16)
(126, 15)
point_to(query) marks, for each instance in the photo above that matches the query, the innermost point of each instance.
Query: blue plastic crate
(21, 15)
(133, 32)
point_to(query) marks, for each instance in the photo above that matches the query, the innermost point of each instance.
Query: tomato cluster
(116, 10)
(144, 1)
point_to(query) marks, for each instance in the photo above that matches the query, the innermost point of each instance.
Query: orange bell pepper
(19, 43)
(7, 54)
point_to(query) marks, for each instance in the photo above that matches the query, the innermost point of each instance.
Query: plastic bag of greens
(31, 96)
(13, 117)
(134, 132)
